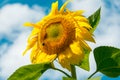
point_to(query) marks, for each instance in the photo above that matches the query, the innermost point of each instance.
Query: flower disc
(56, 34)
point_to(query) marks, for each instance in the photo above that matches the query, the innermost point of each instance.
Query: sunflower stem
(92, 74)
(61, 71)
(73, 72)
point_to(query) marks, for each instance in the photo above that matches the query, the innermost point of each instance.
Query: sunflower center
(54, 30)
(56, 35)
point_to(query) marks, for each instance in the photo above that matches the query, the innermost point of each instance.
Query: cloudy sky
(13, 36)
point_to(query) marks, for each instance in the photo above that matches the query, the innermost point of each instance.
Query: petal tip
(25, 52)
(27, 24)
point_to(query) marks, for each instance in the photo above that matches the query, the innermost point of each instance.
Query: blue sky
(13, 36)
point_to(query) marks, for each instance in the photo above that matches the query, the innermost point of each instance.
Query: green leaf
(108, 60)
(95, 78)
(68, 78)
(85, 62)
(94, 19)
(30, 72)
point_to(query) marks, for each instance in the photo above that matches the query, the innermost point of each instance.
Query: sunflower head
(56, 36)
(61, 34)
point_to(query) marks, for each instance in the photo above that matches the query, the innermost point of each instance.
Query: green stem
(73, 72)
(92, 74)
(61, 71)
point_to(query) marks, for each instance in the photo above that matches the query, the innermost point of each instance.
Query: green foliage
(68, 78)
(108, 60)
(95, 78)
(85, 62)
(94, 19)
(30, 72)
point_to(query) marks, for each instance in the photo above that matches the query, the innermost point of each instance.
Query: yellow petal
(44, 57)
(87, 35)
(63, 6)
(84, 24)
(80, 19)
(81, 37)
(31, 24)
(54, 8)
(63, 60)
(76, 48)
(34, 52)
(32, 39)
(37, 56)
(68, 57)
(30, 44)
(84, 45)
(33, 34)
(68, 11)
(78, 13)
(25, 51)
(77, 51)
(28, 24)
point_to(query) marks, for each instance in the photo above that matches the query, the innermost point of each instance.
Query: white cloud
(3, 48)
(108, 32)
(13, 58)
(89, 6)
(12, 17)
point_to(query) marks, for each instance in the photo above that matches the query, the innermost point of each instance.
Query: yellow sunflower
(62, 35)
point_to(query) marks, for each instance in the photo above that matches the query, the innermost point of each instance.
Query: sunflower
(62, 35)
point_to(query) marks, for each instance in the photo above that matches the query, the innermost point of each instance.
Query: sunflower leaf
(108, 60)
(95, 78)
(85, 62)
(30, 72)
(94, 19)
